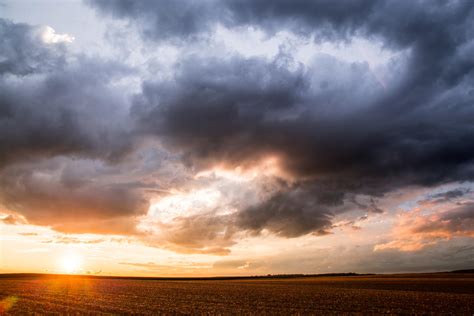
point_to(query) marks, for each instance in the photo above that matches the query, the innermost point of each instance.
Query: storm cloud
(334, 129)
(23, 50)
(327, 138)
(72, 197)
(55, 110)
(56, 104)
(241, 103)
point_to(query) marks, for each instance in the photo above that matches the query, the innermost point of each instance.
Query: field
(440, 293)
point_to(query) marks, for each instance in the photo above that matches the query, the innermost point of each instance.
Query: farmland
(440, 293)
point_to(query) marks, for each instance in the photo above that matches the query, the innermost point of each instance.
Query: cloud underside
(416, 230)
(73, 143)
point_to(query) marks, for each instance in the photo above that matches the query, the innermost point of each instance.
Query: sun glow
(71, 263)
(268, 166)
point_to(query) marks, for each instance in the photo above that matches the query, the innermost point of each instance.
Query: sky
(236, 137)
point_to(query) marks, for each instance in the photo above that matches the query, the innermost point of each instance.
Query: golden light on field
(71, 263)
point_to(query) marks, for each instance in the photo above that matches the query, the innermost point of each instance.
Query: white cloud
(49, 36)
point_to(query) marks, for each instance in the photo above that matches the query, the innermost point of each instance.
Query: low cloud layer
(56, 194)
(418, 230)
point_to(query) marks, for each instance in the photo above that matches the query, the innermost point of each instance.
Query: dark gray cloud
(184, 20)
(217, 105)
(65, 109)
(72, 197)
(177, 20)
(398, 23)
(447, 196)
(71, 111)
(330, 133)
(238, 111)
(54, 103)
(23, 52)
(336, 132)
(289, 214)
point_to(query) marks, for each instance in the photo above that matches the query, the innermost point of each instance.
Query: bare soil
(434, 294)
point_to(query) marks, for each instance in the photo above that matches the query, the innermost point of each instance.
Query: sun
(71, 263)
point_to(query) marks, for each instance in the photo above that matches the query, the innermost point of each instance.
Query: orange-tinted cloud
(71, 197)
(201, 234)
(416, 230)
(11, 219)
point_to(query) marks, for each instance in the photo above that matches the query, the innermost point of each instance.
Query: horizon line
(229, 277)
